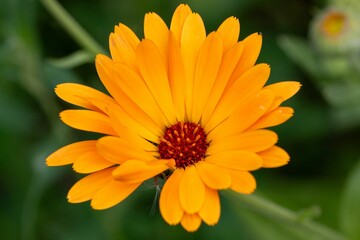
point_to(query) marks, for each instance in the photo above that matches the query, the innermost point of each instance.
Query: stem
(283, 215)
(72, 26)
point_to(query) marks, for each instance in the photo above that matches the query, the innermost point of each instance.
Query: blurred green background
(323, 141)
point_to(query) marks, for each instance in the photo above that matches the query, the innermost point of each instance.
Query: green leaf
(288, 220)
(73, 60)
(299, 51)
(350, 207)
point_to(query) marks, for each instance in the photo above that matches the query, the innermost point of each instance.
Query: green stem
(283, 215)
(72, 26)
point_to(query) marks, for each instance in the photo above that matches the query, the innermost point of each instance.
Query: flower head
(185, 106)
(335, 30)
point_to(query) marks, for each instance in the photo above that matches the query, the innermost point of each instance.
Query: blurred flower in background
(332, 57)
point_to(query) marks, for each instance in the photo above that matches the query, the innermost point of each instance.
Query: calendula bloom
(187, 107)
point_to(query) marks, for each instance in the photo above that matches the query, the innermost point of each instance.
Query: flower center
(334, 24)
(185, 142)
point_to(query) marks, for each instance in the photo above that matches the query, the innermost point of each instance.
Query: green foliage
(350, 208)
(299, 51)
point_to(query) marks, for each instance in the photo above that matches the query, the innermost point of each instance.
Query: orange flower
(187, 107)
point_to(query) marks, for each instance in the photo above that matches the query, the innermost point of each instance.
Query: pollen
(185, 142)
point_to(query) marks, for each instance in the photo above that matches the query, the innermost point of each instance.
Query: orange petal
(227, 66)
(237, 160)
(252, 47)
(192, 37)
(170, 207)
(134, 171)
(191, 190)
(191, 222)
(131, 84)
(85, 189)
(207, 67)
(213, 176)
(276, 117)
(118, 150)
(177, 78)
(274, 157)
(70, 153)
(130, 93)
(133, 138)
(210, 211)
(252, 141)
(112, 193)
(242, 182)
(91, 162)
(283, 91)
(250, 82)
(122, 45)
(154, 74)
(252, 108)
(87, 120)
(178, 19)
(120, 119)
(104, 67)
(229, 31)
(83, 96)
(156, 30)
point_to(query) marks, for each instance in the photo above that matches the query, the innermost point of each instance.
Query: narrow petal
(191, 190)
(136, 98)
(134, 171)
(192, 37)
(177, 78)
(207, 67)
(118, 150)
(250, 82)
(237, 160)
(228, 64)
(229, 31)
(83, 96)
(154, 74)
(276, 117)
(130, 93)
(252, 47)
(103, 66)
(170, 207)
(210, 211)
(191, 222)
(133, 138)
(91, 162)
(122, 45)
(70, 153)
(242, 182)
(253, 108)
(112, 193)
(283, 91)
(87, 120)
(252, 141)
(156, 30)
(274, 157)
(178, 19)
(213, 176)
(85, 188)
(119, 118)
